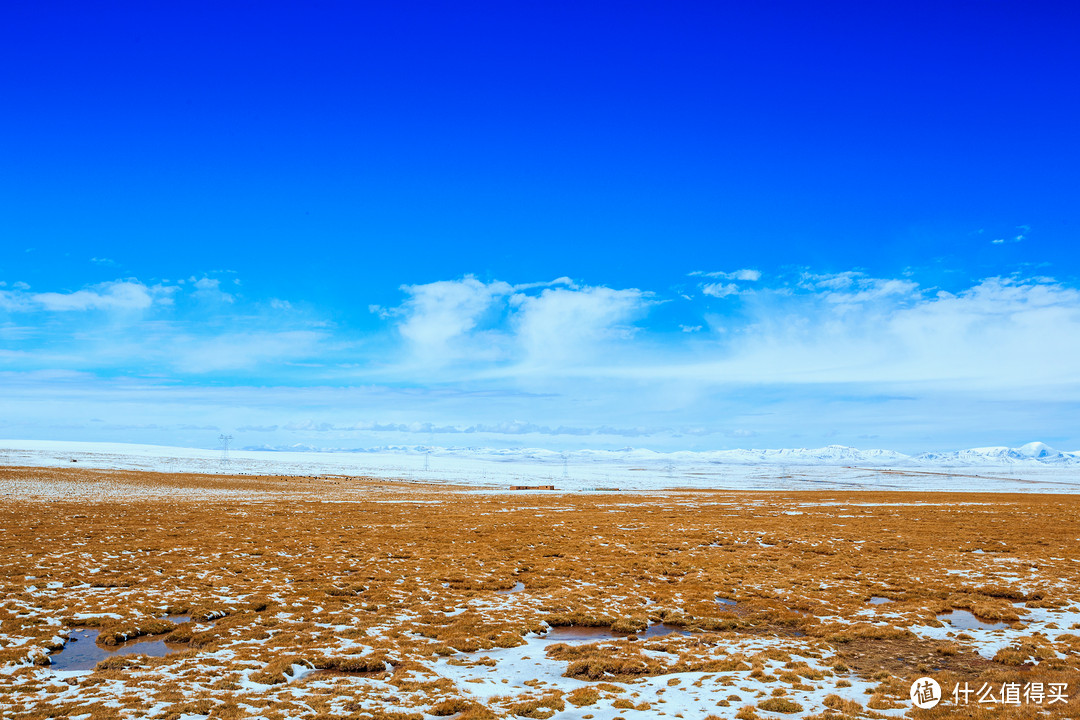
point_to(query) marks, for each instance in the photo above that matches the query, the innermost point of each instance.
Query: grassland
(359, 597)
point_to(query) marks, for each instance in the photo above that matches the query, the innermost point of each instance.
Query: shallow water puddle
(726, 601)
(662, 629)
(81, 651)
(578, 633)
(964, 620)
(517, 588)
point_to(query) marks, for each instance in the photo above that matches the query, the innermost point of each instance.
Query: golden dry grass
(372, 583)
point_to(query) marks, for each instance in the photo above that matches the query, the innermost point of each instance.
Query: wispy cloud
(720, 290)
(746, 274)
(121, 295)
(726, 289)
(209, 290)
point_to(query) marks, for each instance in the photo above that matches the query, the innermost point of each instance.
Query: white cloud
(854, 287)
(871, 289)
(561, 325)
(831, 281)
(467, 356)
(435, 314)
(209, 290)
(13, 301)
(121, 295)
(744, 274)
(1000, 335)
(508, 328)
(720, 290)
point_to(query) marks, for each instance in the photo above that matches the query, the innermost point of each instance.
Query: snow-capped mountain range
(1034, 454)
(1034, 467)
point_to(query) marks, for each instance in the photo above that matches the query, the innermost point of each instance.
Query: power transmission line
(224, 448)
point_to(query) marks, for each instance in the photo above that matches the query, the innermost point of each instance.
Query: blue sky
(660, 225)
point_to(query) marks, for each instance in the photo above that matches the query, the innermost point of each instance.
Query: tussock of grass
(630, 625)
(596, 662)
(780, 705)
(375, 662)
(119, 662)
(275, 671)
(120, 633)
(542, 707)
(846, 707)
(864, 631)
(578, 618)
(467, 708)
(583, 696)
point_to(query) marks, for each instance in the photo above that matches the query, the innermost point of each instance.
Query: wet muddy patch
(904, 656)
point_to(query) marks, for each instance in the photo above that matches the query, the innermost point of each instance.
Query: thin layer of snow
(1031, 468)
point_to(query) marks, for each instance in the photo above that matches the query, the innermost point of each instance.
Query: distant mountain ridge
(1033, 454)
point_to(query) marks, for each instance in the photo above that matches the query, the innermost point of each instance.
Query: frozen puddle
(727, 601)
(877, 600)
(81, 651)
(964, 620)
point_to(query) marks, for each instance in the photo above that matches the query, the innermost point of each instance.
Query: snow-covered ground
(1031, 468)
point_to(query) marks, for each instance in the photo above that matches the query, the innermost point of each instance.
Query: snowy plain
(1031, 468)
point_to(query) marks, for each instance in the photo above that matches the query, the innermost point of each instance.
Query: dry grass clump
(865, 631)
(984, 607)
(275, 671)
(780, 705)
(471, 632)
(630, 625)
(1031, 650)
(374, 663)
(599, 662)
(462, 708)
(583, 696)
(542, 707)
(842, 705)
(120, 633)
(119, 662)
(578, 618)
